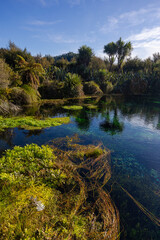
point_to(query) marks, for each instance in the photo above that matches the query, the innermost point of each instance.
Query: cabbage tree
(111, 50)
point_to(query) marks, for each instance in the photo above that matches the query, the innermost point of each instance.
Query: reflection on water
(131, 129)
(112, 126)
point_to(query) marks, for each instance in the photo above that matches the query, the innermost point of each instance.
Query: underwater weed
(31, 123)
(51, 193)
(73, 107)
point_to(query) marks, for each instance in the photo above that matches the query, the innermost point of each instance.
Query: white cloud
(136, 17)
(146, 42)
(43, 23)
(60, 38)
(100, 53)
(111, 24)
(152, 33)
(130, 19)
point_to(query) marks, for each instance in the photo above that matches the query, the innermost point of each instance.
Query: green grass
(31, 123)
(73, 107)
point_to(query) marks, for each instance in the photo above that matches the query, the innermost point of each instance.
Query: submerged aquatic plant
(91, 106)
(31, 123)
(73, 107)
(55, 192)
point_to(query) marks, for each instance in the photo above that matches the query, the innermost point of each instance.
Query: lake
(130, 128)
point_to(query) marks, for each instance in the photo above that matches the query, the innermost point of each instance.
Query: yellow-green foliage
(4, 74)
(90, 152)
(34, 94)
(31, 123)
(94, 153)
(73, 107)
(24, 95)
(90, 106)
(44, 196)
(29, 199)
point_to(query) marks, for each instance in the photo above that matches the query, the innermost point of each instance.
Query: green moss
(31, 123)
(73, 107)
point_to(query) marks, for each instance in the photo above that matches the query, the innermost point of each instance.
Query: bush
(91, 88)
(72, 85)
(24, 95)
(4, 74)
(51, 90)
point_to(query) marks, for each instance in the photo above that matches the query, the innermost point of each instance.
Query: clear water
(130, 129)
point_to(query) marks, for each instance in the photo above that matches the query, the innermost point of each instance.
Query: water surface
(130, 128)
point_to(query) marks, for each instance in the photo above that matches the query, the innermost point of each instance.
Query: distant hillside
(67, 56)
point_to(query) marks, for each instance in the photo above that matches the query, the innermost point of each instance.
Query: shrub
(51, 90)
(72, 85)
(24, 95)
(4, 74)
(91, 88)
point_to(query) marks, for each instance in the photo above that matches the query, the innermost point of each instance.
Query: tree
(119, 50)
(30, 71)
(45, 61)
(156, 57)
(84, 56)
(10, 54)
(148, 66)
(111, 49)
(4, 74)
(134, 65)
(97, 63)
(123, 50)
(62, 63)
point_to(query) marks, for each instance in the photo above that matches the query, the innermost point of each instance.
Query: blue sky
(59, 26)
